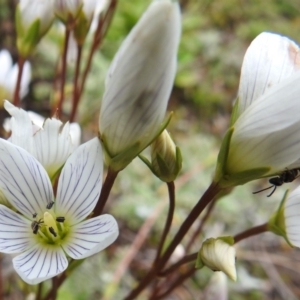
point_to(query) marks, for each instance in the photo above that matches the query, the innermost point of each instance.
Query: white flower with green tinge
(50, 144)
(33, 19)
(263, 139)
(67, 10)
(139, 83)
(218, 255)
(47, 230)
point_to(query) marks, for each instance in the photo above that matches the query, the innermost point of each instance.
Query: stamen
(52, 231)
(50, 204)
(35, 226)
(60, 219)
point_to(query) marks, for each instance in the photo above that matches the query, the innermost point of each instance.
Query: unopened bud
(165, 157)
(218, 255)
(33, 19)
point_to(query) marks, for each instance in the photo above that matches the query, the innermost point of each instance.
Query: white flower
(8, 77)
(51, 144)
(292, 217)
(218, 255)
(264, 137)
(140, 80)
(47, 230)
(33, 10)
(67, 10)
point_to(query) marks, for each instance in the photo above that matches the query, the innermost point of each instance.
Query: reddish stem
(16, 101)
(100, 33)
(207, 197)
(251, 232)
(171, 190)
(63, 73)
(106, 188)
(76, 88)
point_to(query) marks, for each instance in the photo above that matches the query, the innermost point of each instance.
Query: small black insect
(284, 177)
(34, 215)
(50, 204)
(60, 219)
(52, 231)
(35, 226)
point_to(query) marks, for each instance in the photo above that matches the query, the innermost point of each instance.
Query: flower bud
(90, 12)
(33, 19)
(139, 83)
(67, 10)
(165, 157)
(218, 255)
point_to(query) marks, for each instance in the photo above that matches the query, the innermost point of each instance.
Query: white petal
(91, 236)
(269, 59)
(53, 145)
(40, 263)
(80, 182)
(15, 232)
(20, 126)
(140, 78)
(6, 64)
(75, 133)
(23, 180)
(292, 217)
(36, 119)
(267, 133)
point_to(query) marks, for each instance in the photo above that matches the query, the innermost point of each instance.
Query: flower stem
(207, 197)
(106, 188)
(21, 62)
(63, 72)
(171, 190)
(76, 94)
(184, 260)
(39, 291)
(180, 279)
(100, 33)
(200, 226)
(250, 232)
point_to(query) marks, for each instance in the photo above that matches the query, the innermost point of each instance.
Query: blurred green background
(215, 36)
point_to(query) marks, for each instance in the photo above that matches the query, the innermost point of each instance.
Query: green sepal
(81, 28)
(276, 223)
(56, 174)
(121, 160)
(241, 178)
(227, 239)
(199, 263)
(223, 155)
(146, 162)
(73, 265)
(27, 41)
(235, 112)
